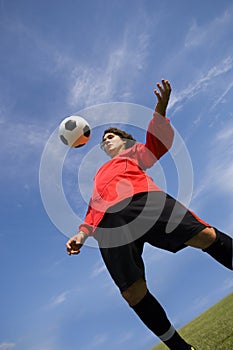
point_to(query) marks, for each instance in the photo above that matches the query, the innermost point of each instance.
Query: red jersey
(124, 175)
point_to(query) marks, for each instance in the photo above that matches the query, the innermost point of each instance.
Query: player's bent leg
(153, 315)
(216, 243)
(203, 239)
(221, 249)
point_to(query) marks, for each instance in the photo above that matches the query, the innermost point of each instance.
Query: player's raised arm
(163, 94)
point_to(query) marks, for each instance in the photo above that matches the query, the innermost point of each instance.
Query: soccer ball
(74, 131)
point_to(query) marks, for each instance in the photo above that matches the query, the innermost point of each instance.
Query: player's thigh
(124, 263)
(175, 226)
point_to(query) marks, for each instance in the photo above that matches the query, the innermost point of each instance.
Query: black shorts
(155, 218)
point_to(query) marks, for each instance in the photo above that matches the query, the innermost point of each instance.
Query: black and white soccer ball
(74, 131)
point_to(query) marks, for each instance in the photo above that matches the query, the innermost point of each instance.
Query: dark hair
(130, 141)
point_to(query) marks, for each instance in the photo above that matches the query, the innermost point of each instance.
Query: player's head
(115, 140)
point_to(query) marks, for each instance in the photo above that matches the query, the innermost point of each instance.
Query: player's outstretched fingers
(163, 94)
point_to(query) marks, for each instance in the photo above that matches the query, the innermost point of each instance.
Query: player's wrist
(161, 110)
(85, 236)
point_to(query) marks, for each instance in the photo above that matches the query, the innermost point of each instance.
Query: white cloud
(22, 138)
(226, 134)
(227, 285)
(90, 86)
(21, 148)
(152, 255)
(59, 299)
(204, 302)
(222, 96)
(204, 61)
(199, 35)
(98, 269)
(178, 99)
(219, 168)
(7, 346)
(125, 337)
(98, 341)
(223, 141)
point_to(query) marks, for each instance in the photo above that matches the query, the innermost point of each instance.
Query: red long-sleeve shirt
(124, 175)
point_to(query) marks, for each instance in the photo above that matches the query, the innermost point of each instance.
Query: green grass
(212, 330)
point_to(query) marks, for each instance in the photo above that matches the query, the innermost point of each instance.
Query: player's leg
(153, 315)
(203, 239)
(216, 243)
(190, 230)
(126, 267)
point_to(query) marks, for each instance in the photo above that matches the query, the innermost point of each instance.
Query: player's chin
(109, 152)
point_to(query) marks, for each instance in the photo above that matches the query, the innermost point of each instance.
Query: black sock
(176, 342)
(221, 249)
(154, 317)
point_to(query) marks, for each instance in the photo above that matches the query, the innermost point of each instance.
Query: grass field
(212, 330)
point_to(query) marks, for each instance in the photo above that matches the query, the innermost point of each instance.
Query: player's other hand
(163, 94)
(75, 243)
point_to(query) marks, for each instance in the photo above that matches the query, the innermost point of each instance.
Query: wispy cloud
(178, 99)
(21, 144)
(30, 135)
(98, 341)
(203, 61)
(98, 269)
(152, 256)
(203, 302)
(227, 285)
(222, 96)
(199, 34)
(90, 86)
(7, 346)
(219, 179)
(125, 337)
(59, 299)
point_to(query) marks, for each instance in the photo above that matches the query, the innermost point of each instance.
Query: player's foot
(192, 348)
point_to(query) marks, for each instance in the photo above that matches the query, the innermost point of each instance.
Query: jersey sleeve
(159, 139)
(87, 225)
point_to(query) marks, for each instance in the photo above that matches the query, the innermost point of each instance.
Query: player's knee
(208, 236)
(203, 239)
(136, 292)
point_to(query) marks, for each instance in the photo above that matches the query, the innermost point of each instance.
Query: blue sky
(62, 57)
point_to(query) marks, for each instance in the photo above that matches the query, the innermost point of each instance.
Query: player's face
(113, 144)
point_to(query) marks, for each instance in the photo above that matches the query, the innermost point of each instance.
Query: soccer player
(127, 209)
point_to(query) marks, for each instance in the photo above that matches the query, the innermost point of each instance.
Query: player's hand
(163, 94)
(75, 243)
